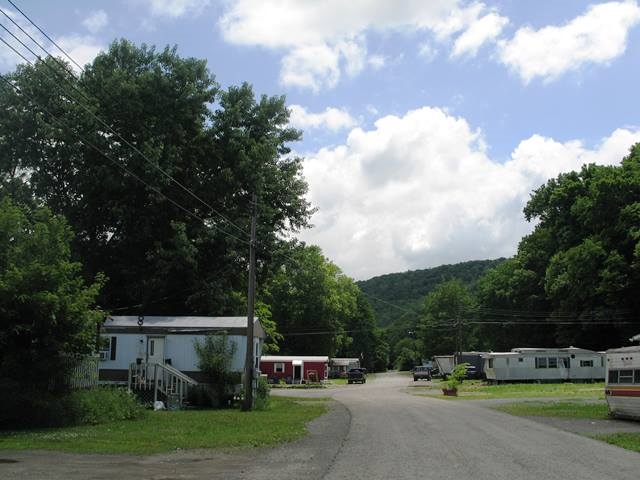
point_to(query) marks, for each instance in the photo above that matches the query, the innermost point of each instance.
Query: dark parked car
(421, 373)
(357, 375)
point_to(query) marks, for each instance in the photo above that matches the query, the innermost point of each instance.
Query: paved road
(400, 436)
(374, 431)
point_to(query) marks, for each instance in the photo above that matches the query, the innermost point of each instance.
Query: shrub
(215, 355)
(31, 408)
(457, 376)
(262, 394)
(102, 405)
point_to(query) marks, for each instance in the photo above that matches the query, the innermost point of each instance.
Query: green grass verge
(630, 441)
(590, 410)
(477, 390)
(283, 420)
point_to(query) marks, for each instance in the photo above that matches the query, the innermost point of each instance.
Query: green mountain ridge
(394, 296)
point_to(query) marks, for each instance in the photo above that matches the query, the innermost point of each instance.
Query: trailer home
(130, 341)
(544, 365)
(622, 388)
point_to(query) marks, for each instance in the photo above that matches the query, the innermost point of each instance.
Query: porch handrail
(161, 378)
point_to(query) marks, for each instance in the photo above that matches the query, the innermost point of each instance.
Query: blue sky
(427, 124)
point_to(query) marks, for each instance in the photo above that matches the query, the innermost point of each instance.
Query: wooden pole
(249, 366)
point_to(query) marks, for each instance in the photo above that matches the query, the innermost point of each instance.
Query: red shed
(294, 369)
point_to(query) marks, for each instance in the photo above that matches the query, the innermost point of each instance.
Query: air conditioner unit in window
(104, 356)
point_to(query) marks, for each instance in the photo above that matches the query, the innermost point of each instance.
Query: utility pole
(249, 366)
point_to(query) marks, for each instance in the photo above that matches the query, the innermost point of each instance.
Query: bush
(29, 408)
(457, 376)
(102, 405)
(262, 394)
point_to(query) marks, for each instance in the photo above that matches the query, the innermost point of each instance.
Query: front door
(155, 350)
(297, 374)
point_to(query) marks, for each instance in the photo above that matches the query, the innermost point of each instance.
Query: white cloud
(321, 40)
(82, 48)
(420, 190)
(96, 21)
(176, 8)
(486, 29)
(598, 37)
(377, 61)
(333, 119)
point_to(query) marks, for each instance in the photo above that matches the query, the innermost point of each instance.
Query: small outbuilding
(544, 364)
(294, 369)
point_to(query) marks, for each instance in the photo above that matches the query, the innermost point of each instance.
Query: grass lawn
(592, 410)
(284, 420)
(477, 390)
(630, 441)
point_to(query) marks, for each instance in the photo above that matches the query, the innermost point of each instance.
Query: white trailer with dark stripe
(622, 389)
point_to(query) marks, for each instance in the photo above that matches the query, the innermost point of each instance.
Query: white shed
(544, 364)
(169, 340)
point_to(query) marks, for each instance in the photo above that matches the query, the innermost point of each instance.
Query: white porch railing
(164, 379)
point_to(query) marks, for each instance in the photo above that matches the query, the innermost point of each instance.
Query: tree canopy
(320, 311)
(575, 278)
(153, 165)
(46, 309)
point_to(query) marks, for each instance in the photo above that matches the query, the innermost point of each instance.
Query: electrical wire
(117, 134)
(46, 36)
(119, 164)
(86, 142)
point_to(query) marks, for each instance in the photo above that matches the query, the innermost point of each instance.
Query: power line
(46, 36)
(108, 157)
(117, 134)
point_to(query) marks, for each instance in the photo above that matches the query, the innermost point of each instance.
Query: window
(541, 362)
(553, 362)
(613, 376)
(107, 348)
(586, 363)
(491, 363)
(520, 360)
(636, 376)
(278, 367)
(625, 376)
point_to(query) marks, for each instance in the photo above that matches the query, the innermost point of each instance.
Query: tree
(443, 328)
(320, 311)
(309, 302)
(46, 310)
(366, 339)
(577, 273)
(153, 166)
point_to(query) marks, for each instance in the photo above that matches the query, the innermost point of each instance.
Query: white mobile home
(544, 365)
(130, 340)
(622, 389)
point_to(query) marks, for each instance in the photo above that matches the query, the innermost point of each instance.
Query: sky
(427, 124)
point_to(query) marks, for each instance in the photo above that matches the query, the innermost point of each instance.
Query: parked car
(421, 373)
(357, 375)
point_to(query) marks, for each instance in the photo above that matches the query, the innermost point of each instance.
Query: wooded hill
(394, 295)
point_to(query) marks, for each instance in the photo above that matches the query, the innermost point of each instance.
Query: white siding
(179, 348)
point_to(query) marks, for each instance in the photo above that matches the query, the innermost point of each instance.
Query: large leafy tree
(444, 327)
(576, 275)
(154, 167)
(46, 310)
(320, 311)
